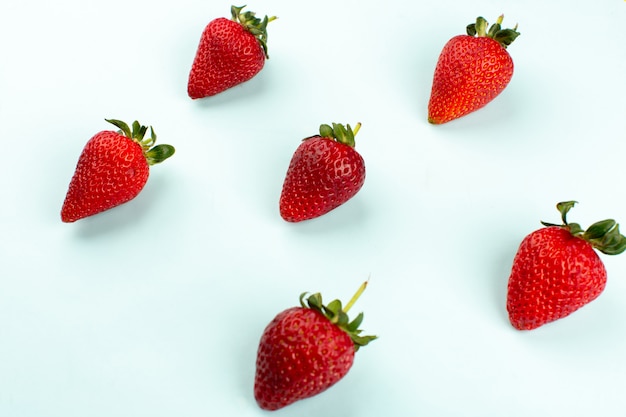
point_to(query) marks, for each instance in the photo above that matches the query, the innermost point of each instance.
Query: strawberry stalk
(603, 235)
(254, 25)
(154, 154)
(503, 36)
(355, 297)
(338, 315)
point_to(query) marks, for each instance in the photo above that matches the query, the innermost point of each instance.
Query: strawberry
(556, 270)
(325, 172)
(230, 52)
(305, 350)
(111, 170)
(472, 70)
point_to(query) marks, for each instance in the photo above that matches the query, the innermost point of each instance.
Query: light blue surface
(155, 308)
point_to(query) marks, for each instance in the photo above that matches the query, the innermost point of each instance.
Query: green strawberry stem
(481, 28)
(340, 133)
(154, 154)
(355, 297)
(603, 235)
(254, 25)
(339, 316)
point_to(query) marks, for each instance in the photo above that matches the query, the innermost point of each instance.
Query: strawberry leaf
(338, 315)
(361, 340)
(326, 131)
(564, 207)
(354, 324)
(125, 130)
(314, 301)
(137, 129)
(478, 28)
(334, 307)
(494, 29)
(506, 37)
(471, 29)
(142, 132)
(599, 229)
(575, 229)
(342, 320)
(254, 25)
(503, 36)
(340, 133)
(154, 155)
(612, 243)
(603, 235)
(159, 153)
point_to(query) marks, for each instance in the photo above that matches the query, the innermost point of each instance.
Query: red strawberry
(305, 350)
(325, 172)
(230, 52)
(112, 169)
(556, 270)
(471, 71)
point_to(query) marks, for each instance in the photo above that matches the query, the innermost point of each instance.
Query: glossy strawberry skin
(554, 274)
(227, 55)
(470, 73)
(111, 170)
(322, 175)
(301, 354)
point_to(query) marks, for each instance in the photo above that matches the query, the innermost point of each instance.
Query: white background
(155, 308)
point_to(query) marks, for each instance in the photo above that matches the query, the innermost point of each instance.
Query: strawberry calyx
(340, 133)
(338, 315)
(254, 25)
(481, 29)
(603, 235)
(154, 154)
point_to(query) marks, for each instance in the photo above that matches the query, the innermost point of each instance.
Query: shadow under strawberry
(129, 216)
